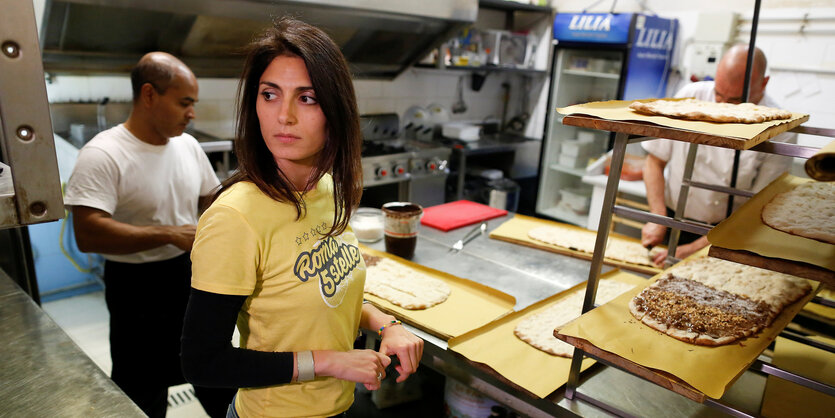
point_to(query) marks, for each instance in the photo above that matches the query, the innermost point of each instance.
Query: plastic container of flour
(367, 224)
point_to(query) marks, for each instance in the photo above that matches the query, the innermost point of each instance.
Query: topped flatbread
(807, 210)
(693, 109)
(708, 301)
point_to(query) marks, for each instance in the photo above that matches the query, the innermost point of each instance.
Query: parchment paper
(786, 399)
(469, 306)
(536, 371)
(709, 370)
(821, 166)
(516, 230)
(619, 110)
(745, 230)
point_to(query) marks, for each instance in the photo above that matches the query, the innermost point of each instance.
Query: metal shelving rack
(623, 131)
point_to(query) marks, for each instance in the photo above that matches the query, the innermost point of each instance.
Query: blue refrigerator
(596, 56)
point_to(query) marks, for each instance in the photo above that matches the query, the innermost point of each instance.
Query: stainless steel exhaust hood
(380, 38)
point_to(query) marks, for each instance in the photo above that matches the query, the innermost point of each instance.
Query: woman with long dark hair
(274, 251)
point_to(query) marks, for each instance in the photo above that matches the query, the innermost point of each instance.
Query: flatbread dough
(538, 330)
(693, 109)
(807, 210)
(404, 286)
(581, 240)
(708, 290)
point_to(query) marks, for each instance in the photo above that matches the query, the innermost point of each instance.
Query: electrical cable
(90, 263)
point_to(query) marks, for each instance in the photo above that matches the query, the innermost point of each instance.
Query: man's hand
(97, 232)
(182, 236)
(652, 234)
(682, 251)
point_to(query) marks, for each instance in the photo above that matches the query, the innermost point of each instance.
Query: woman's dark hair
(334, 89)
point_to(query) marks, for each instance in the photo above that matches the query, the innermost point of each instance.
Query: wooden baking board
(761, 246)
(616, 116)
(469, 306)
(523, 366)
(516, 229)
(708, 370)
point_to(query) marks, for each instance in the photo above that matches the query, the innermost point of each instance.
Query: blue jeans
(232, 412)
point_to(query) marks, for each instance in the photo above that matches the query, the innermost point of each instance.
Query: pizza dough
(403, 286)
(538, 330)
(580, 240)
(808, 211)
(708, 301)
(692, 109)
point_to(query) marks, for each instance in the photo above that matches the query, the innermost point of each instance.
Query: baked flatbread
(403, 286)
(581, 240)
(807, 210)
(708, 301)
(692, 109)
(538, 330)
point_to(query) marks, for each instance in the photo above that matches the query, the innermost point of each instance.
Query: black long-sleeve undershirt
(208, 357)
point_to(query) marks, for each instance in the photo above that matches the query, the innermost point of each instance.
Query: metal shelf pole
(618, 154)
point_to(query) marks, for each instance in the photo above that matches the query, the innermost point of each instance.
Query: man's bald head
(157, 69)
(730, 75)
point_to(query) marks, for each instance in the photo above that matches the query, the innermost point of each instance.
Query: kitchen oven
(399, 169)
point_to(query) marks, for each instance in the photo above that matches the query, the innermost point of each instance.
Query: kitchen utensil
(517, 123)
(416, 121)
(459, 106)
(438, 113)
(478, 230)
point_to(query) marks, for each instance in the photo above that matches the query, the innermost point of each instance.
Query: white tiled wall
(216, 108)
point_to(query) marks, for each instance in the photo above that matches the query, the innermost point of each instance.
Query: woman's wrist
(306, 366)
(386, 326)
(320, 362)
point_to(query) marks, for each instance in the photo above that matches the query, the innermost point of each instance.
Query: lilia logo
(331, 262)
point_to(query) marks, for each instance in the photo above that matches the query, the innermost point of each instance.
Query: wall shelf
(584, 73)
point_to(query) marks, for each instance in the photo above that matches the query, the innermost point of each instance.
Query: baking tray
(765, 247)
(516, 229)
(524, 367)
(469, 306)
(613, 334)
(615, 116)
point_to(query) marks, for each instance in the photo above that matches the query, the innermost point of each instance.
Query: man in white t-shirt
(713, 164)
(135, 193)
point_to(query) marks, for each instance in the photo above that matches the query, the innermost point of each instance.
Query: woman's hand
(398, 341)
(362, 366)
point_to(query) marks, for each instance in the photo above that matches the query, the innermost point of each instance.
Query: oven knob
(398, 171)
(380, 172)
(431, 166)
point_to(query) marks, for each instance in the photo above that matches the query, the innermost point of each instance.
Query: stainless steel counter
(43, 373)
(531, 275)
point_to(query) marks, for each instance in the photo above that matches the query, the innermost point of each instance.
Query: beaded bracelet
(392, 323)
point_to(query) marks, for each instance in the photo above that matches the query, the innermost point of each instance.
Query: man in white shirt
(713, 164)
(135, 193)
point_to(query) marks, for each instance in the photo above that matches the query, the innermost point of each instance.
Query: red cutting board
(453, 215)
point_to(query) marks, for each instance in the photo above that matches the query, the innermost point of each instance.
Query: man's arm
(96, 231)
(653, 234)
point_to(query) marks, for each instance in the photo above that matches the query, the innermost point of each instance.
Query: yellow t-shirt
(305, 292)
